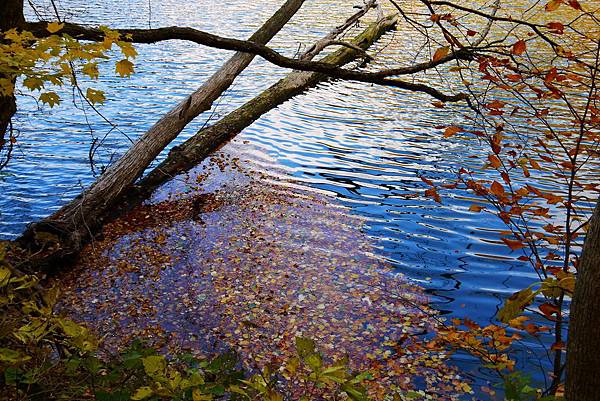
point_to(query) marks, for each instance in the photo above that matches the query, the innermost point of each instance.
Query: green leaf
(154, 365)
(356, 393)
(304, 347)
(142, 392)
(70, 328)
(4, 276)
(315, 361)
(12, 356)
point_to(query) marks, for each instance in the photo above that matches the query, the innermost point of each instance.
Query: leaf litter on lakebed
(227, 258)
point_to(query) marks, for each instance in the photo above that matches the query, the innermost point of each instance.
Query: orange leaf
(494, 161)
(497, 188)
(519, 47)
(476, 208)
(513, 244)
(451, 130)
(440, 53)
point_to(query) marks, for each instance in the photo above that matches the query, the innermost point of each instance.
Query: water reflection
(364, 145)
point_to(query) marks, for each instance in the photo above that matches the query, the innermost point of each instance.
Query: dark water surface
(363, 145)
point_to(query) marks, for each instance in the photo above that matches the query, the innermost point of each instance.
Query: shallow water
(363, 145)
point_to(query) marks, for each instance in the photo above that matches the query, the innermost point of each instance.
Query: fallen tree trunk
(183, 157)
(74, 224)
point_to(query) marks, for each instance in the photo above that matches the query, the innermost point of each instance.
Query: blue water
(364, 145)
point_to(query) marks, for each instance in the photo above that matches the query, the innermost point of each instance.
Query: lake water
(363, 145)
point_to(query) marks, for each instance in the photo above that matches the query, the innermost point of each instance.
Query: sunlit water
(364, 145)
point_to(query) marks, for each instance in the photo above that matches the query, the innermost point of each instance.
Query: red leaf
(519, 47)
(471, 32)
(548, 309)
(496, 104)
(556, 27)
(575, 4)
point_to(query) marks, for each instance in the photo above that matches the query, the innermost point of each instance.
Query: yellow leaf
(95, 96)
(91, 70)
(50, 98)
(127, 49)
(142, 392)
(553, 5)
(124, 68)
(440, 53)
(33, 83)
(54, 27)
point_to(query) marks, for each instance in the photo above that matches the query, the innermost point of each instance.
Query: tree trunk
(197, 148)
(583, 347)
(11, 16)
(71, 226)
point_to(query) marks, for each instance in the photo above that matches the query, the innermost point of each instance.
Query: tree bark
(197, 148)
(583, 346)
(11, 16)
(74, 224)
